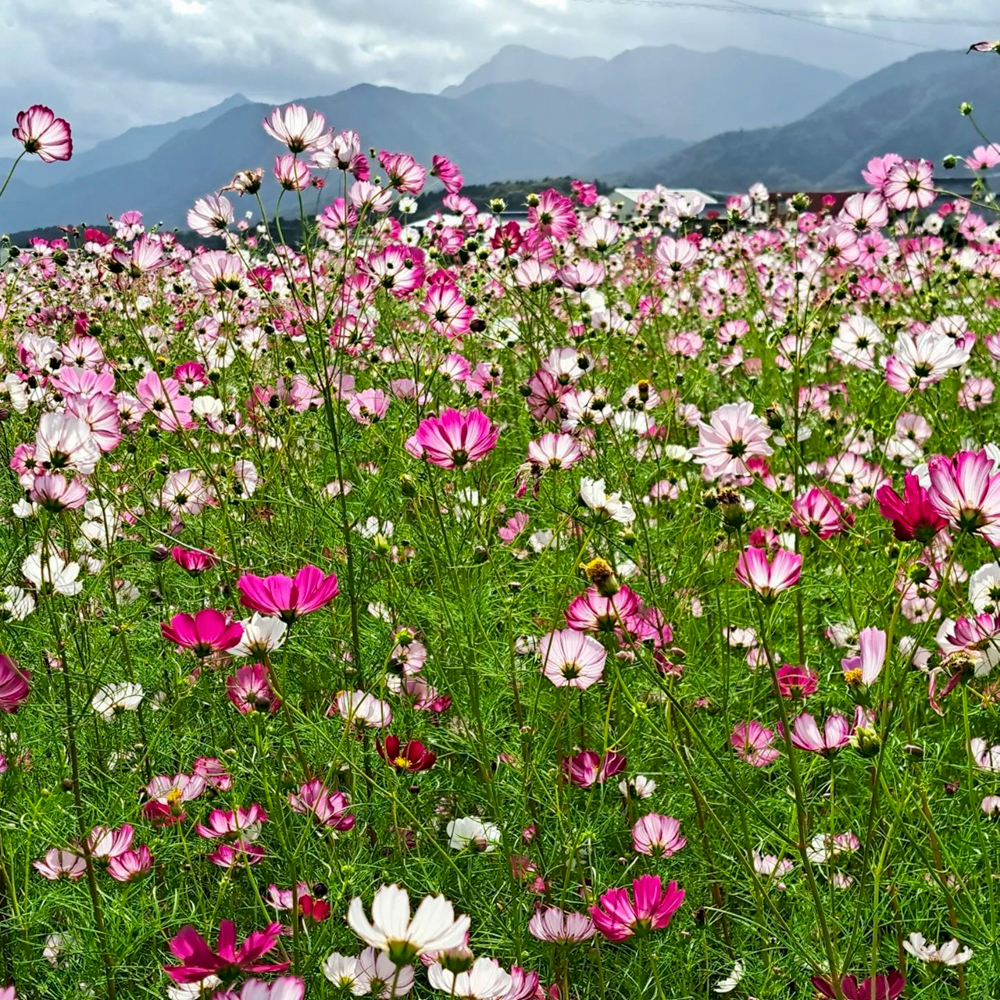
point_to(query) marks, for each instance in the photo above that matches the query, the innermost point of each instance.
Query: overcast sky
(109, 64)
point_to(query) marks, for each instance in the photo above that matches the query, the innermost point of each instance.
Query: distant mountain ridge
(909, 108)
(676, 91)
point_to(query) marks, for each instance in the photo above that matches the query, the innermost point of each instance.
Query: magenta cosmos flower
(198, 960)
(913, 516)
(587, 768)
(966, 490)
(796, 681)
(13, 684)
(754, 744)
(453, 439)
(571, 658)
(207, 632)
(657, 836)
(41, 133)
(649, 907)
(884, 986)
(288, 598)
(768, 578)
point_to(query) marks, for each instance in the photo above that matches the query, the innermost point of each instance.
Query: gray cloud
(111, 64)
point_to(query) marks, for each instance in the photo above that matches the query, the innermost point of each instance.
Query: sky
(107, 65)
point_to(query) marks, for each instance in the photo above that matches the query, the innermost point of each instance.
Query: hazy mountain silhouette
(909, 108)
(675, 91)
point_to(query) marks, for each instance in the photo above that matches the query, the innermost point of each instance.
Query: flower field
(529, 604)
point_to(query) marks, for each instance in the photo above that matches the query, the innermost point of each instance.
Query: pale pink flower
(965, 489)
(571, 658)
(295, 128)
(41, 133)
(555, 926)
(768, 578)
(733, 436)
(657, 836)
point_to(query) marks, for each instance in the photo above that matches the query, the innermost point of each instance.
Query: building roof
(634, 194)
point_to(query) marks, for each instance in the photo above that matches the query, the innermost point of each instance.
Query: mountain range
(717, 121)
(909, 108)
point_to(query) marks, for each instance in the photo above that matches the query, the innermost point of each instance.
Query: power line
(817, 18)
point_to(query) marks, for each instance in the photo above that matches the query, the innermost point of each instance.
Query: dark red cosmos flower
(912, 515)
(198, 961)
(414, 756)
(884, 986)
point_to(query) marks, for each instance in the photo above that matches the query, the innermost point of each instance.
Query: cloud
(110, 64)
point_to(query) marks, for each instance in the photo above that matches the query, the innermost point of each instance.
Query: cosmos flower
(41, 133)
(434, 926)
(453, 440)
(648, 907)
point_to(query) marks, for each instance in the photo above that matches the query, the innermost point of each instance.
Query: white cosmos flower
(947, 954)
(65, 442)
(984, 588)
(469, 830)
(261, 634)
(15, 604)
(610, 506)
(341, 970)
(433, 927)
(193, 991)
(730, 983)
(486, 980)
(112, 699)
(53, 575)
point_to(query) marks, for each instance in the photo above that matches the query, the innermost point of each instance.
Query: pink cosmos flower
(555, 926)
(301, 900)
(588, 768)
(733, 436)
(60, 864)
(41, 133)
(553, 215)
(326, 807)
(796, 681)
(754, 744)
(913, 515)
(285, 988)
(233, 824)
(217, 272)
(362, 709)
(198, 960)
(975, 393)
(592, 612)
(965, 489)
(647, 908)
(453, 440)
(865, 668)
(368, 406)
(145, 255)
(288, 598)
(909, 185)
(658, 836)
(211, 216)
(295, 128)
(237, 854)
(446, 172)
(163, 398)
(819, 512)
(806, 734)
(130, 866)
(291, 173)
(404, 173)
(250, 690)
(571, 658)
(104, 843)
(65, 442)
(514, 526)
(214, 773)
(768, 578)
(14, 686)
(554, 451)
(167, 794)
(209, 631)
(193, 560)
